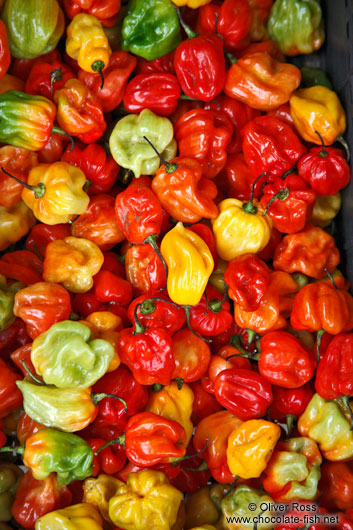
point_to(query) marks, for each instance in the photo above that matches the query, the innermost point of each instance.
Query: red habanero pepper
(282, 113)
(204, 135)
(105, 10)
(98, 223)
(270, 146)
(345, 520)
(200, 65)
(232, 20)
(41, 305)
(111, 263)
(289, 202)
(191, 356)
(10, 82)
(108, 287)
(45, 78)
(101, 170)
(211, 315)
(161, 65)
(239, 179)
(116, 75)
(22, 265)
(204, 403)
(86, 303)
(13, 337)
(336, 484)
(158, 92)
(206, 234)
(110, 460)
(289, 403)
(227, 358)
(243, 392)
(23, 354)
(285, 361)
(148, 353)
(184, 105)
(247, 277)
(22, 67)
(191, 477)
(18, 162)
(10, 395)
(325, 169)
(79, 111)
(35, 498)
(144, 270)
(26, 427)
(41, 235)
(5, 56)
(268, 252)
(53, 149)
(157, 312)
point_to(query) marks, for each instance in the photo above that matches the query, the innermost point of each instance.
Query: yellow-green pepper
(82, 516)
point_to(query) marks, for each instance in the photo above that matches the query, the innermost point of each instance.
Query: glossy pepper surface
(106, 11)
(150, 29)
(71, 518)
(189, 262)
(333, 376)
(211, 317)
(147, 501)
(144, 270)
(145, 92)
(33, 28)
(17, 162)
(46, 77)
(16, 221)
(10, 396)
(89, 359)
(98, 492)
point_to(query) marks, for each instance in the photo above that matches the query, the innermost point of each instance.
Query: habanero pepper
(161, 65)
(22, 265)
(211, 315)
(336, 483)
(42, 234)
(109, 287)
(45, 78)
(289, 403)
(10, 396)
(144, 270)
(237, 179)
(157, 312)
(191, 355)
(204, 404)
(158, 92)
(206, 234)
(226, 358)
(195, 476)
(18, 162)
(106, 11)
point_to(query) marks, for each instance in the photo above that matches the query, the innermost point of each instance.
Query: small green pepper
(7, 298)
(314, 77)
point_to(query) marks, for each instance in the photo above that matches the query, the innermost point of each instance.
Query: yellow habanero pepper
(72, 262)
(174, 404)
(98, 491)
(56, 194)
(146, 502)
(250, 447)
(88, 44)
(82, 516)
(201, 507)
(325, 209)
(193, 4)
(189, 262)
(317, 109)
(15, 222)
(241, 227)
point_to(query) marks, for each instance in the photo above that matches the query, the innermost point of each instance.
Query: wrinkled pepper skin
(334, 373)
(17, 162)
(16, 222)
(324, 422)
(237, 503)
(105, 10)
(189, 262)
(146, 502)
(89, 360)
(34, 28)
(150, 28)
(145, 92)
(73, 517)
(297, 26)
(98, 492)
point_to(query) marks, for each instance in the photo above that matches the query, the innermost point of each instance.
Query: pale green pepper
(7, 299)
(239, 503)
(130, 149)
(66, 357)
(9, 478)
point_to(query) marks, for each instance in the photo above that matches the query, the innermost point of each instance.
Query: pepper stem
(179, 382)
(119, 440)
(345, 400)
(215, 305)
(202, 467)
(169, 168)
(318, 344)
(187, 313)
(98, 66)
(290, 419)
(187, 457)
(248, 207)
(138, 326)
(343, 142)
(187, 98)
(157, 387)
(31, 374)
(331, 277)
(96, 398)
(323, 153)
(251, 335)
(38, 190)
(19, 449)
(189, 32)
(231, 58)
(235, 341)
(281, 196)
(148, 305)
(55, 75)
(151, 240)
(57, 130)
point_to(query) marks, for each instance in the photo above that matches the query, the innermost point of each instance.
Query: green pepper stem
(290, 419)
(187, 314)
(38, 190)
(280, 195)
(73, 316)
(57, 130)
(151, 240)
(187, 457)
(343, 142)
(188, 98)
(235, 341)
(323, 153)
(19, 449)
(231, 58)
(251, 335)
(55, 75)
(248, 207)
(31, 374)
(179, 382)
(318, 344)
(202, 467)
(157, 387)
(148, 305)
(138, 326)
(98, 67)
(331, 277)
(345, 400)
(96, 398)
(189, 32)
(216, 305)
(119, 440)
(169, 167)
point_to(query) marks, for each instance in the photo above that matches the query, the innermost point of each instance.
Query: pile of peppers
(176, 336)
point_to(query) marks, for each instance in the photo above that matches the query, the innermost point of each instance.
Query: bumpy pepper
(146, 502)
(202, 507)
(294, 470)
(89, 360)
(297, 26)
(248, 503)
(150, 28)
(98, 492)
(7, 300)
(106, 325)
(129, 147)
(211, 316)
(174, 404)
(158, 92)
(10, 396)
(18, 162)
(47, 77)
(72, 261)
(240, 228)
(106, 11)
(317, 110)
(71, 518)
(55, 193)
(189, 262)
(324, 422)
(250, 447)
(10, 476)
(34, 28)
(16, 221)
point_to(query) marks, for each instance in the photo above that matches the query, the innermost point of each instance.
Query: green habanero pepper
(297, 26)
(151, 28)
(7, 299)
(66, 357)
(238, 503)
(34, 27)
(314, 77)
(9, 478)
(130, 149)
